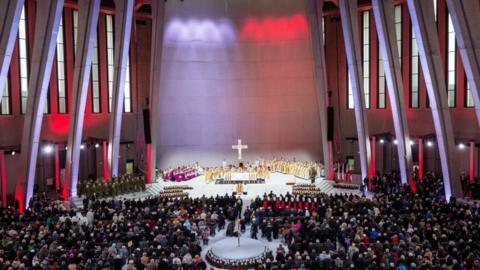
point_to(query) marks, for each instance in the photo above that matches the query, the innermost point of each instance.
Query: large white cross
(239, 147)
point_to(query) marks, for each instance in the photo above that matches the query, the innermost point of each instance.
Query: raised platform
(278, 182)
(227, 254)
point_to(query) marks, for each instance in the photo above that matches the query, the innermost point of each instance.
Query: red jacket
(277, 204)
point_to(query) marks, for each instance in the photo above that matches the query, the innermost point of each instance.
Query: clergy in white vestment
(224, 164)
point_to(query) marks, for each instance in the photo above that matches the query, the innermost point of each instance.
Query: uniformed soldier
(87, 189)
(102, 188)
(123, 185)
(80, 188)
(143, 182)
(114, 188)
(110, 189)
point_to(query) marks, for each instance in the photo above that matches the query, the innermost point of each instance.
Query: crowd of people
(155, 233)
(396, 229)
(302, 169)
(250, 173)
(112, 187)
(470, 187)
(183, 173)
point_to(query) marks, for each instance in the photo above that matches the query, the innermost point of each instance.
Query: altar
(241, 176)
(233, 178)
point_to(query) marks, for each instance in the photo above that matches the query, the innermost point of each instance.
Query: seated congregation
(156, 233)
(395, 229)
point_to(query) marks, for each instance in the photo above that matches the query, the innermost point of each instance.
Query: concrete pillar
(373, 162)
(348, 15)
(465, 16)
(10, 11)
(3, 178)
(106, 172)
(158, 9)
(420, 159)
(472, 162)
(384, 14)
(46, 30)
(422, 16)
(57, 166)
(315, 14)
(87, 29)
(331, 171)
(123, 29)
(148, 179)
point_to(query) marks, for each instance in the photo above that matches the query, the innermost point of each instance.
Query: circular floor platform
(228, 254)
(228, 248)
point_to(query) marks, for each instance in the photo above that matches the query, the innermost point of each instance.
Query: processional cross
(239, 147)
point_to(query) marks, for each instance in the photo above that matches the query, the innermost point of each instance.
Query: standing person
(364, 185)
(205, 235)
(238, 208)
(269, 231)
(312, 174)
(254, 229)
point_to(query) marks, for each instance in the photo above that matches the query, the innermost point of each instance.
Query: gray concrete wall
(237, 69)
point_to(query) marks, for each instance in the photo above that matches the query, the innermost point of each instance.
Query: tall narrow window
(381, 100)
(451, 50)
(398, 31)
(110, 69)
(415, 74)
(469, 102)
(382, 97)
(127, 106)
(110, 55)
(61, 83)
(435, 14)
(366, 56)
(5, 108)
(323, 30)
(95, 80)
(349, 92)
(23, 60)
(75, 31)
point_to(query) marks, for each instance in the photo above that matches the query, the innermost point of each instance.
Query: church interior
(239, 134)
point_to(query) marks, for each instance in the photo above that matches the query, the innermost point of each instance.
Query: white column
(46, 30)
(158, 9)
(10, 11)
(315, 13)
(348, 15)
(123, 29)
(384, 14)
(422, 16)
(87, 22)
(466, 21)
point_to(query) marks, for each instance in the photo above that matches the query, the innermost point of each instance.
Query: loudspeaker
(330, 123)
(62, 158)
(146, 126)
